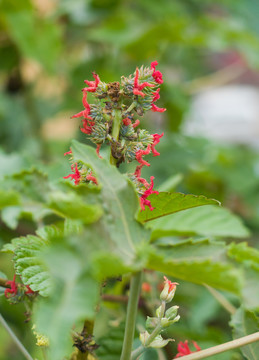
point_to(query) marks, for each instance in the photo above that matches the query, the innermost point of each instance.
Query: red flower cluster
(76, 175)
(149, 191)
(14, 288)
(92, 84)
(183, 349)
(139, 87)
(157, 75)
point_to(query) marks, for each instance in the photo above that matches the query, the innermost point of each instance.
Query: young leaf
(117, 231)
(206, 220)
(201, 262)
(168, 203)
(245, 323)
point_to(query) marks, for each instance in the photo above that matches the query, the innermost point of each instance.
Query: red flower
(157, 75)
(157, 109)
(68, 152)
(168, 291)
(126, 121)
(76, 176)
(139, 155)
(146, 287)
(87, 109)
(29, 290)
(92, 84)
(87, 126)
(139, 87)
(136, 123)
(156, 140)
(156, 95)
(183, 349)
(149, 191)
(92, 178)
(98, 147)
(14, 288)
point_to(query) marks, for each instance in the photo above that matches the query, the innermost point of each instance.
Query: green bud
(151, 322)
(159, 311)
(143, 337)
(171, 312)
(159, 342)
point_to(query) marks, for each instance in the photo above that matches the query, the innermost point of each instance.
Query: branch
(203, 354)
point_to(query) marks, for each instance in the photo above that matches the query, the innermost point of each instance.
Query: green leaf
(9, 198)
(73, 300)
(37, 38)
(244, 254)
(169, 203)
(28, 263)
(71, 206)
(111, 343)
(207, 221)
(245, 323)
(117, 231)
(200, 262)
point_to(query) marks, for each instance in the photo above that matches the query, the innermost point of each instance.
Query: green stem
(115, 131)
(204, 354)
(15, 339)
(131, 107)
(135, 354)
(135, 285)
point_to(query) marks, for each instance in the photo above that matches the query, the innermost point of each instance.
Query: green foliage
(9, 198)
(245, 323)
(168, 203)
(117, 230)
(243, 253)
(207, 221)
(111, 343)
(27, 263)
(200, 262)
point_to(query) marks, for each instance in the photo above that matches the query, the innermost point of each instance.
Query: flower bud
(171, 313)
(151, 322)
(159, 312)
(159, 342)
(168, 292)
(143, 337)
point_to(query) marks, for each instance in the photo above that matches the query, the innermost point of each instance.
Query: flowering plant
(98, 234)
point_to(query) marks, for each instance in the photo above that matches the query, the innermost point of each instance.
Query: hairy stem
(15, 339)
(204, 354)
(137, 352)
(135, 285)
(115, 131)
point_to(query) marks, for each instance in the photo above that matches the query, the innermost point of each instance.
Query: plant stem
(222, 300)
(15, 339)
(135, 354)
(131, 107)
(3, 283)
(203, 354)
(135, 285)
(115, 131)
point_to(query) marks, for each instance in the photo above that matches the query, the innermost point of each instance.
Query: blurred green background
(47, 49)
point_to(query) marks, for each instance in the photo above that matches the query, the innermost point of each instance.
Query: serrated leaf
(71, 206)
(117, 231)
(201, 262)
(9, 198)
(168, 203)
(205, 220)
(245, 323)
(28, 264)
(243, 253)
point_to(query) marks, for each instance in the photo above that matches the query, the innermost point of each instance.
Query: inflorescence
(135, 95)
